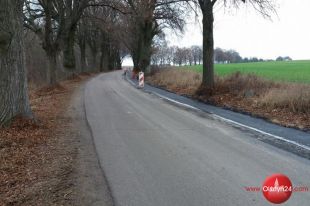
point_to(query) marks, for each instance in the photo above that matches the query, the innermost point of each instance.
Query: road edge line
(234, 122)
(176, 102)
(225, 119)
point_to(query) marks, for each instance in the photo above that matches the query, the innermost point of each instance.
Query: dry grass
(243, 84)
(287, 103)
(186, 80)
(293, 97)
(182, 81)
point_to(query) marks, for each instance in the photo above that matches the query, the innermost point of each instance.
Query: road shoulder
(91, 185)
(289, 139)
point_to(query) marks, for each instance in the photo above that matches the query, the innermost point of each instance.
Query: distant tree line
(232, 56)
(164, 55)
(287, 58)
(226, 56)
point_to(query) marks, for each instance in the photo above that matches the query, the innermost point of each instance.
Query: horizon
(287, 34)
(254, 36)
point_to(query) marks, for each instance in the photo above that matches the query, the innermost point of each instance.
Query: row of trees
(164, 55)
(104, 29)
(61, 25)
(226, 56)
(109, 28)
(287, 58)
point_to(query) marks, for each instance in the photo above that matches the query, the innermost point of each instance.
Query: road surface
(154, 153)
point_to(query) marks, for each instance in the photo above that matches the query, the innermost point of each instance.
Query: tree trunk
(105, 54)
(118, 60)
(114, 58)
(135, 60)
(94, 59)
(50, 46)
(208, 45)
(69, 56)
(52, 68)
(101, 65)
(104, 60)
(13, 81)
(83, 56)
(111, 59)
(142, 51)
(146, 45)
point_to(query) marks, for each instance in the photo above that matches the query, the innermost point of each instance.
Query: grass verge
(287, 104)
(291, 71)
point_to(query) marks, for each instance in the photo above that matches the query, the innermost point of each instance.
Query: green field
(293, 71)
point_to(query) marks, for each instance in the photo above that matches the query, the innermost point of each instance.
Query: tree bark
(69, 56)
(13, 81)
(50, 46)
(81, 37)
(104, 60)
(135, 60)
(105, 54)
(118, 60)
(208, 44)
(52, 68)
(82, 46)
(142, 51)
(146, 45)
(94, 59)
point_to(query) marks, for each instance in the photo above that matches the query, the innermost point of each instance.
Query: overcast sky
(245, 30)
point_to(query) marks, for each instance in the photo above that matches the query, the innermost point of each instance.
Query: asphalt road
(154, 153)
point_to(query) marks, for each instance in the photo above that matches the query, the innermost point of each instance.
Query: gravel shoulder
(91, 188)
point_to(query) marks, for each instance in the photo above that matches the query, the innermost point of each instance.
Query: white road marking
(230, 121)
(236, 123)
(174, 101)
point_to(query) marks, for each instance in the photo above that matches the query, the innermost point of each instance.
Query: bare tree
(161, 53)
(55, 22)
(220, 55)
(181, 56)
(82, 42)
(265, 7)
(147, 19)
(103, 36)
(169, 55)
(189, 56)
(197, 54)
(233, 56)
(13, 83)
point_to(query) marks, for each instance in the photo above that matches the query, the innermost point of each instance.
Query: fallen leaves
(35, 163)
